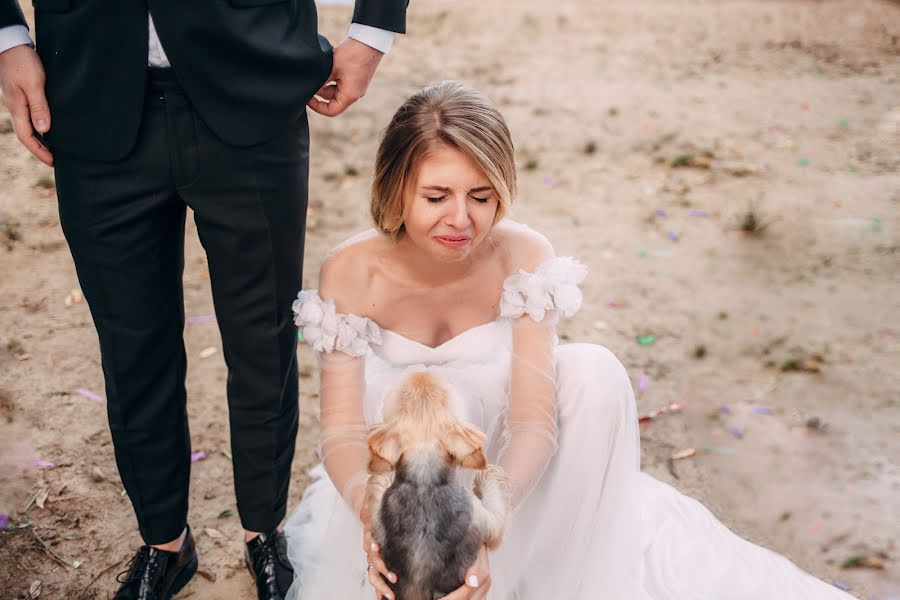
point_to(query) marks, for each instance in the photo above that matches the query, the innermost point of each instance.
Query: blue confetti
(660, 212)
(763, 410)
(673, 236)
(843, 585)
(701, 214)
(724, 410)
(736, 432)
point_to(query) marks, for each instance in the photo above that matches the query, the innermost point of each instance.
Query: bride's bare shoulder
(347, 270)
(521, 246)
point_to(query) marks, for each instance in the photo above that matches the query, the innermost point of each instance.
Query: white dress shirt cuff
(380, 39)
(14, 35)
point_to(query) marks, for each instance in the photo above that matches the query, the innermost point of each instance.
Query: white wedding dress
(590, 525)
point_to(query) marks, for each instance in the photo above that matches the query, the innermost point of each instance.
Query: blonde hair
(451, 114)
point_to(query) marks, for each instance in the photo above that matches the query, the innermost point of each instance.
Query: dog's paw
(492, 475)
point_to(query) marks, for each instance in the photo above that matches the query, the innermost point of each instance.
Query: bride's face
(450, 207)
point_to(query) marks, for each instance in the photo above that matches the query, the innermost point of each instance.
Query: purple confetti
(736, 432)
(724, 410)
(549, 182)
(613, 304)
(763, 410)
(660, 212)
(642, 382)
(89, 395)
(843, 585)
(4, 519)
(672, 235)
(197, 456)
(43, 464)
(702, 214)
(201, 319)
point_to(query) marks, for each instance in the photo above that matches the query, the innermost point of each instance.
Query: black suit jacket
(248, 66)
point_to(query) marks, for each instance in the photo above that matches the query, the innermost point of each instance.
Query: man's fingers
(336, 99)
(40, 111)
(21, 119)
(327, 92)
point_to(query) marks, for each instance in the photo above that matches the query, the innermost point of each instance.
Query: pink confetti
(642, 382)
(613, 304)
(89, 395)
(43, 464)
(197, 456)
(201, 319)
(676, 406)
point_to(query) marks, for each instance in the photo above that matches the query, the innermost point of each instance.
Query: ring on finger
(369, 567)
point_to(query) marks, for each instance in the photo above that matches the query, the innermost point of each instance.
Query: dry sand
(627, 117)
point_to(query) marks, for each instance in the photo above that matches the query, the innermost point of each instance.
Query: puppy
(429, 527)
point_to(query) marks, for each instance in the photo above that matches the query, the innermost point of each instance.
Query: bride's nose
(458, 213)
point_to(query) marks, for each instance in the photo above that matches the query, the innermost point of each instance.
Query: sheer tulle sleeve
(341, 342)
(534, 302)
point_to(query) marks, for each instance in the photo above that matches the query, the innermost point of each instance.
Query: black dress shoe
(267, 560)
(155, 574)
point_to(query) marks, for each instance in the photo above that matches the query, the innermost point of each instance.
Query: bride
(445, 284)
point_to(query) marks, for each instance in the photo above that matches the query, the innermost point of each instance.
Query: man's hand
(352, 70)
(22, 85)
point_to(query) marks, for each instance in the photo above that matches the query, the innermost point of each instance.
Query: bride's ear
(384, 449)
(465, 444)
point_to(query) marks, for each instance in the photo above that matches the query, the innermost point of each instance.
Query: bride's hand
(379, 572)
(482, 573)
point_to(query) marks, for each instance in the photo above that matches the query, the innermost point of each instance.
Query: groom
(148, 107)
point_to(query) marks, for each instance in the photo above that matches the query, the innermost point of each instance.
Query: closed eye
(435, 199)
(482, 200)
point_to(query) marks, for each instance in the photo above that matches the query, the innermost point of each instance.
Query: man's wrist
(14, 35)
(379, 39)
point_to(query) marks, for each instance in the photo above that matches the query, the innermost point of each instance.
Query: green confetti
(876, 224)
(225, 513)
(645, 340)
(299, 336)
(642, 252)
(227, 455)
(845, 123)
(706, 449)
(803, 161)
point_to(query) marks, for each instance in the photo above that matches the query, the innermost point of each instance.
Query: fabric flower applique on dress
(553, 286)
(326, 330)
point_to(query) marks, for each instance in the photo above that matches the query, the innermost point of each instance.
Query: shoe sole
(183, 578)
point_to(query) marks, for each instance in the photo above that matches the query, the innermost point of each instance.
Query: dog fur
(429, 527)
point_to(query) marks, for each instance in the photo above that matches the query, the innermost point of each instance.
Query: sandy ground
(649, 134)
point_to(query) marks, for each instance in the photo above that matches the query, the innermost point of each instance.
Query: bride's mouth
(453, 241)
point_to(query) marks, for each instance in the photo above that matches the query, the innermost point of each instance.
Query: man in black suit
(157, 105)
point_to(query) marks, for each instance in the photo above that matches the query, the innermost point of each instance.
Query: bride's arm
(342, 387)
(531, 432)
(531, 421)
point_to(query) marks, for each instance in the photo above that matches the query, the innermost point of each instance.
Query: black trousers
(124, 222)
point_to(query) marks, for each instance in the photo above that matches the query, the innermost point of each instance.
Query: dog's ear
(384, 449)
(465, 444)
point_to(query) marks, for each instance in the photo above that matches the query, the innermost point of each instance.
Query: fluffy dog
(429, 526)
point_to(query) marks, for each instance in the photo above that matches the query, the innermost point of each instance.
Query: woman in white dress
(445, 284)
